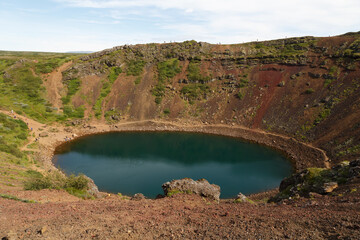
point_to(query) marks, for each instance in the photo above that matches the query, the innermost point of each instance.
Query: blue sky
(92, 25)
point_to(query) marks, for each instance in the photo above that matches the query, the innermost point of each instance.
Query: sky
(94, 25)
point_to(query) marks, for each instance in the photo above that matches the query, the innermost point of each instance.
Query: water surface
(133, 162)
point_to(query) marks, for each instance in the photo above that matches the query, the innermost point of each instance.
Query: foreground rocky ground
(182, 216)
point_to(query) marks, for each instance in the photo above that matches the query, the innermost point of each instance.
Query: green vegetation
(283, 50)
(135, 67)
(114, 73)
(197, 89)
(351, 150)
(13, 134)
(21, 86)
(240, 95)
(72, 112)
(314, 180)
(243, 83)
(47, 65)
(106, 89)
(166, 70)
(7, 196)
(166, 111)
(241, 201)
(137, 80)
(75, 185)
(176, 191)
(309, 91)
(193, 91)
(112, 116)
(194, 74)
(21, 91)
(322, 116)
(73, 85)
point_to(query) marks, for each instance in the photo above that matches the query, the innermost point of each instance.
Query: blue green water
(140, 162)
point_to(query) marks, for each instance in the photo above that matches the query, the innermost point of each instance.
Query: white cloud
(99, 24)
(256, 17)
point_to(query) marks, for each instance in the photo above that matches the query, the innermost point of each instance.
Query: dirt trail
(54, 85)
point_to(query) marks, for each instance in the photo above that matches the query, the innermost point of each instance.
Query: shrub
(166, 111)
(243, 83)
(79, 182)
(114, 73)
(135, 67)
(309, 91)
(137, 80)
(168, 69)
(75, 185)
(194, 74)
(70, 112)
(73, 85)
(193, 92)
(158, 91)
(22, 136)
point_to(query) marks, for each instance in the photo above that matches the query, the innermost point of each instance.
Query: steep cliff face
(307, 87)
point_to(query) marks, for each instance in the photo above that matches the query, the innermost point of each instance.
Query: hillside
(306, 88)
(297, 95)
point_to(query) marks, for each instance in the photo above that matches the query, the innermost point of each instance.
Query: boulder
(138, 196)
(43, 134)
(329, 187)
(317, 180)
(201, 187)
(241, 198)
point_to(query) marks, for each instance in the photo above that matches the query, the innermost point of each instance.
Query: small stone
(42, 230)
(329, 187)
(281, 84)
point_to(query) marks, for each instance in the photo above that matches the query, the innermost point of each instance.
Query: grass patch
(194, 74)
(47, 65)
(166, 70)
(72, 112)
(309, 91)
(135, 67)
(137, 80)
(114, 74)
(193, 92)
(6, 196)
(13, 134)
(75, 185)
(21, 86)
(73, 85)
(322, 116)
(177, 191)
(105, 90)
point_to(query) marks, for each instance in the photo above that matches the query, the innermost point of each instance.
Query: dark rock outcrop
(186, 185)
(317, 180)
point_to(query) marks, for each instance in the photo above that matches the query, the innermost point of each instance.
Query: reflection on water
(140, 162)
